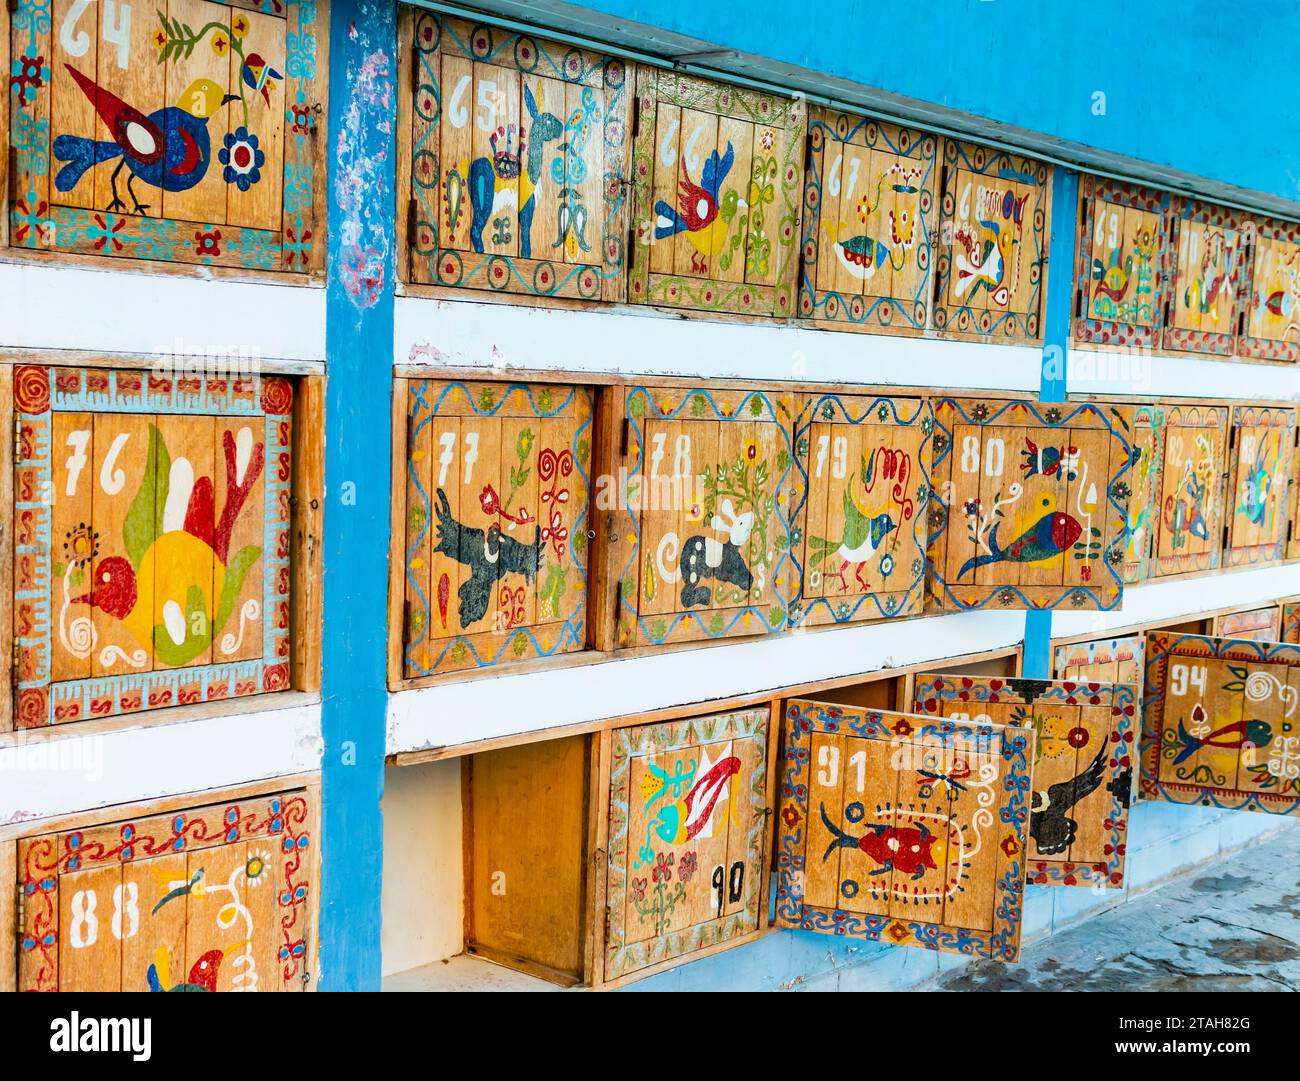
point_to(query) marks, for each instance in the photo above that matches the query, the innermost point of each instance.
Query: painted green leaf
(143, 521)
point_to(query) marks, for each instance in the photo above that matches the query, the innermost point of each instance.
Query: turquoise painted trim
(358, 468)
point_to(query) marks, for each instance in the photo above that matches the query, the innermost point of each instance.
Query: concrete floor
(1233, 927)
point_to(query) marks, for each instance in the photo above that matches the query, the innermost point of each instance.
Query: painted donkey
(704, 558)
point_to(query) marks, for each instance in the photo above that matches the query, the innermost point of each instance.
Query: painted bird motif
(174, 589)
(860, 539)
(1256, 484)
(984, 263)
(908, 849)
(1059, 462)
(1050, 824)
(1113, 281)
(700, 214)
(202, 977)
(692, 816)
(1229, 737)
(259, 76)
(169, 149)
(1047, 538)
(489, 554)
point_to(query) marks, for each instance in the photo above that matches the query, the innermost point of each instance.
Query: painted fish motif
(1230, 736)
(1049, 461)
(1051, 535)
(895, 848)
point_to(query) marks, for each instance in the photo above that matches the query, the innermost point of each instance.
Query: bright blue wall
(1197, 85)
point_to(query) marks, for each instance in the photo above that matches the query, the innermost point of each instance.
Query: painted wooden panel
(217, 898)
(519, 161)
(993, 244)
(1207, 254)
(1103, 660)
(717, 186)
(1083, 765)
(1144, 504)
(1263, 449)
(152, 543)
(222, 162)
(1256, 624)
(869, 212)
(1030, 503)
(1289, 629)
(497, 514)
(1189, 535)
(903, 829)
(1272, 327)
(687, 809)
(1122, 248)
(1219, 723)
(704, 536)
(862, 482)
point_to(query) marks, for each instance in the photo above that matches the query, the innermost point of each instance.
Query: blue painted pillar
(1058, 311)
(358, 467)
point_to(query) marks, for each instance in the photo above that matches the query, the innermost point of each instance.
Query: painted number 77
(448, 443)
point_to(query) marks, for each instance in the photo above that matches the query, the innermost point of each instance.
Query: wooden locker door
(1145, 479)
(1190, 528)
(1272, 296)
(717, 183)
(1119, 277)
(1220, 724)
(1256, 624)
(869, 212)
(879, 833)
(1030, 504)
(862, 483)
(687, 809)
(1104, 660)
(1207, 254)
(1261, 463)
(705, 508)
(1290, 621)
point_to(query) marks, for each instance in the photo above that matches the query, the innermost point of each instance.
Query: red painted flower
(687, 867)
(790, 816)
(662, 870)
(207, 243)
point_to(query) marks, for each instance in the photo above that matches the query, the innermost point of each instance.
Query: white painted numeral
(828, 758)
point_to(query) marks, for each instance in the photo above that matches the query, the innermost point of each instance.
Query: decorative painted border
(1267, 348)
(42, 860)
(40, 392)
(1112, 332)
(1193, 416)
(1256, 416)
(907, 601)
(1203, 341)
(803, 719)
(963, 319)
(1140, 511)
(872, 313)
(630, 743)
(655, 87)
(1160, 647)
(434, 36)
(763, 406)
(573, 627)
(1113, 418)
(37, 222)
(930, 691)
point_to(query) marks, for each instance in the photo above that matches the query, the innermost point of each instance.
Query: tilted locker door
(703, 548)
(216, 898)
(1272, 296)
(191, 133)
(496, 517)
(518, 161)
(994, 210)
(1030, 503)
(1207, 256)
(1103, 660)
(717, 184)
(1220, 726)
(902, 829)
(1085, 736)
(1189, 533)
(869, 211)
(152, 544)
(1257, 624)
(1289, 630)
(1120, 281)
(862, 483)
(1144, 504)
(687, 815)
(1261, 457)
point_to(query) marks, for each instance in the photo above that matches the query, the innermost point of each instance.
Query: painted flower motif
(1121, 491)
(81, 545)
(239, 26)
(887, 566)
(1052, 416)
(843, 611)
(1077, 738)
(255, 866)
(790, 816)
(220, 44)
(898, 932)
(207, 243)
(687, 867)
(767, 139)
(159, 38)
(1007, 598)
(940, 443)
(242, 157)
(751, 450)
(927, 425)
(980, 412)
(301, 123)
(489, 500)
(918, 565)
(882, 412)
(638, 888)
(1078, 598)
(663, 868)
(28, 74)
(1010, 846)
(972, 506)
(524, 444)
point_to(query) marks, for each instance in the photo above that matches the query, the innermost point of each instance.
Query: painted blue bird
(170, 148)
(699, 214)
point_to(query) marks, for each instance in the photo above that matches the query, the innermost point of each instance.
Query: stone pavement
(1234, 926)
